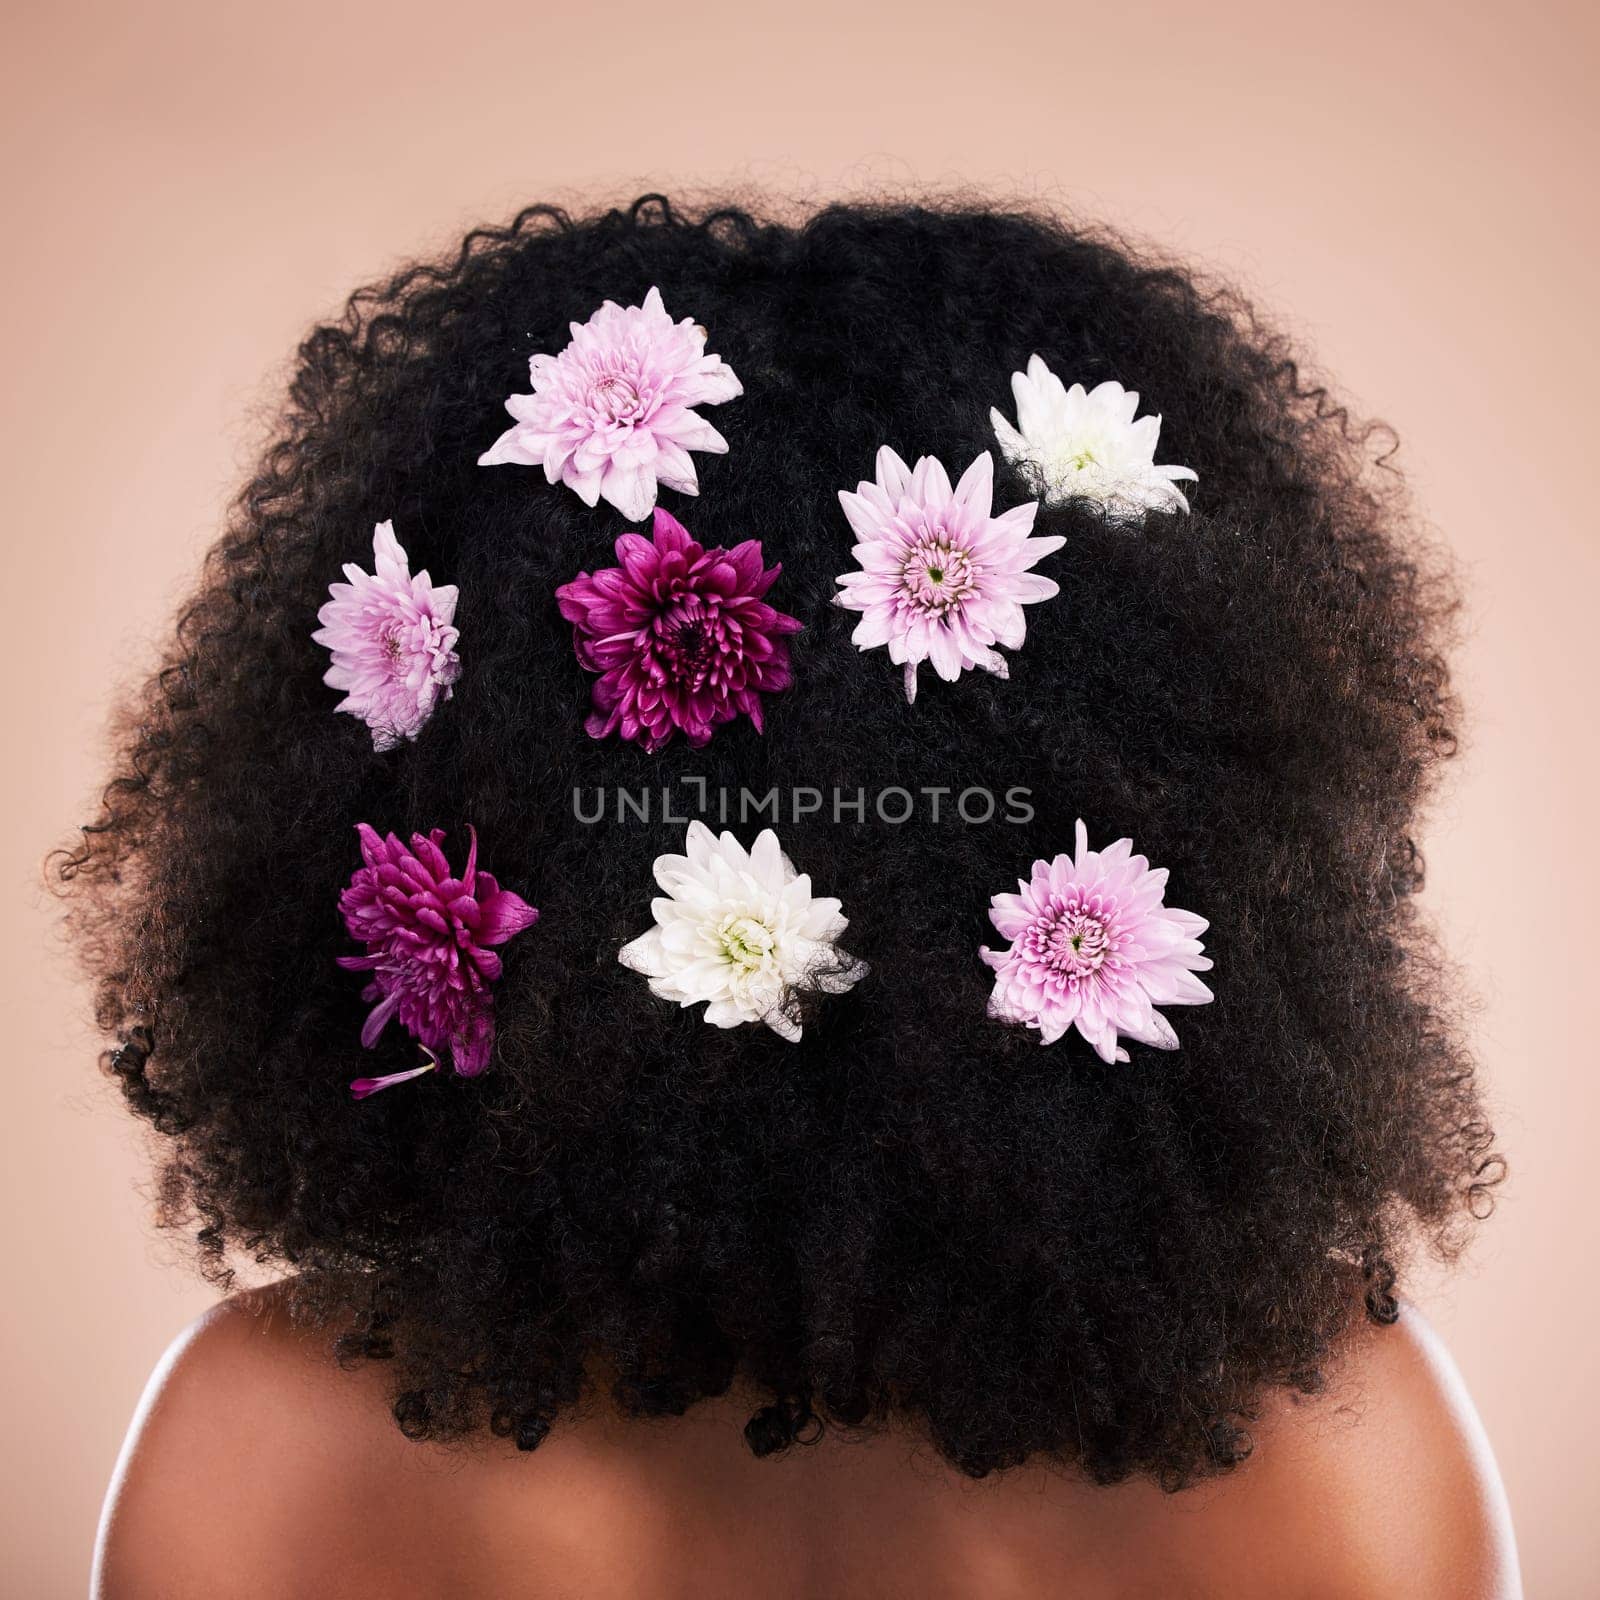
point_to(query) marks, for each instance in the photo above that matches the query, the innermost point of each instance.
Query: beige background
(187, 184)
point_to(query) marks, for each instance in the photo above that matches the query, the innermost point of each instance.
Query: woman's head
(914, 1211)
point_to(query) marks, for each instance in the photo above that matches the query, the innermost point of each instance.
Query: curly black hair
(917, 1213)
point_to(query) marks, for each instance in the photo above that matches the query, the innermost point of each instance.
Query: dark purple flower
(680, 635)
(428, 936)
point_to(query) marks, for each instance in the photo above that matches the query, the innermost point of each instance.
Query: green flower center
(938, 576)
(746, 942)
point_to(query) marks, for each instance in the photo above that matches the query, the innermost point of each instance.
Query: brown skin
(255, 1467)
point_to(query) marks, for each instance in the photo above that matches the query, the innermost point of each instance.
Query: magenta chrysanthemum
(429, 938)
(392, 640)
(941, 580)
(680, 635)
(1093, 947)
(611, 415)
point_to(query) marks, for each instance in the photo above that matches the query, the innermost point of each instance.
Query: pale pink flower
(611, 415)
(940, 579)
(1093, 947)
(392, 640)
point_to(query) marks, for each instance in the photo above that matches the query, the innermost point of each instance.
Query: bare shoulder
(255, 1466)
(247, 1445)
(1386, 1485)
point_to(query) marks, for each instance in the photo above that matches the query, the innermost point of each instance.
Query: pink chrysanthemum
(941, 580)
(680, 635)
(611, 415)
(428, 935)
(1093, 947)
(392, 640)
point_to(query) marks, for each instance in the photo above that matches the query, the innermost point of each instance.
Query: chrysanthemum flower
(941, 580)
(429, 936)
(680, 635)
(611, 415)
(742, 932)
(1072, 443)
(392, 641)
(1093, 947)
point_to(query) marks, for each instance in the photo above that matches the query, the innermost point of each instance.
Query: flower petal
(612, 414)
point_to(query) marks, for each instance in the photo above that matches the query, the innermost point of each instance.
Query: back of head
(912, 1211)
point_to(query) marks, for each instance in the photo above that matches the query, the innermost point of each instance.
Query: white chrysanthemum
(741, 931)
(1085, 443)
